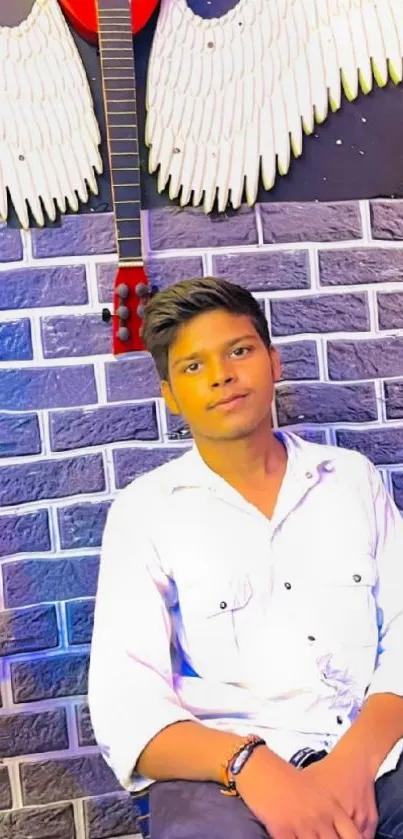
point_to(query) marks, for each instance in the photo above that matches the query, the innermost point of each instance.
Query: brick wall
(75, 426)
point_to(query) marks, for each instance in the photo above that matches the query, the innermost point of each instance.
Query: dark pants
(195, 810)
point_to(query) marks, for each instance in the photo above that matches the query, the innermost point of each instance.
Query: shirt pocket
(343, 605)
(213, 614)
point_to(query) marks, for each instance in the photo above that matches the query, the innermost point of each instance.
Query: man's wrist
(350, 752)
(261, 761)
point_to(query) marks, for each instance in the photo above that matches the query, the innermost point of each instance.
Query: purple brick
(390, 310)
(6, 801)
(41, 580)
(312, 435)
(19, 434)
(75, 335)
(87, 233)
(110, 816)
(265, 271)
(324, 403)
(27, 288)
(39, 823)
(173, 227)
(177, 428)
(106, 274)
(134, 378)
(81, 525)
(44, 781)
(387, 219)
(382, 445)
(23, 733)
(85, 731)
(15, 340)
(309, 222)
(320, 313)
(24, 533)
(80, 621)
(100, 426)
(299, 360)
(10, 244)
(26, 630)
(130, 463)
(26, 482)
(165, 272)
(361, 265)
(49, 678)
(394, 399)
(47, 387)
(397, 487)
(160, 272)
(370, 359)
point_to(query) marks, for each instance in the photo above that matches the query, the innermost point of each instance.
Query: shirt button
(357, 578)
(308, 475)
(339, 720)
(223, 604)
(287, 585)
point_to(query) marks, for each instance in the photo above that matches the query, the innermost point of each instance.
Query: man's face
(229, 358)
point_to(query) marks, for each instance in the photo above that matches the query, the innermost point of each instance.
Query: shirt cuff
(122, 758)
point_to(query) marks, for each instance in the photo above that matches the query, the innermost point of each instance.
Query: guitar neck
(119, 92)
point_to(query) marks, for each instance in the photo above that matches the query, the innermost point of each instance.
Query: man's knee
(389, 799)
(196, 810)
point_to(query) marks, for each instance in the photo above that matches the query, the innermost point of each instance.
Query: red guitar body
(83, 16)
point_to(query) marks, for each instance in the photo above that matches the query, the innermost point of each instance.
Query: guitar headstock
(131, 293)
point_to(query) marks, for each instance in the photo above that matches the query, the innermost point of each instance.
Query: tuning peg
(123, 312)
(142, 289)
(123, 290)
(106, 315)
(123, 333)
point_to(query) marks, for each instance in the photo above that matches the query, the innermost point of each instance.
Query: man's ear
(167, 394)
(275, 365)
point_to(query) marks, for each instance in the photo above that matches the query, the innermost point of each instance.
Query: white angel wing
(49, 135)
(230, 97)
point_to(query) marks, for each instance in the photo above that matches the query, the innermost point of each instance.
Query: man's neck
(250, 462)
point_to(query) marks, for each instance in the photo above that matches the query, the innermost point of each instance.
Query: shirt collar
(306, 459)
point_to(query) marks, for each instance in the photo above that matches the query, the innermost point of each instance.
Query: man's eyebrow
(225, 346)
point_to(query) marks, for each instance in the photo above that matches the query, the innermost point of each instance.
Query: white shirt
(207, 610)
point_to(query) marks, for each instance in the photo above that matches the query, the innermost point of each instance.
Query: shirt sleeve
(388, 674)
(130, 692)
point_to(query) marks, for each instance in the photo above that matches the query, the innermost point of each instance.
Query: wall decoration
(229, 98)
(49, 135)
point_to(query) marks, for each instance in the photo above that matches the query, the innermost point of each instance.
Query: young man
(252, 586)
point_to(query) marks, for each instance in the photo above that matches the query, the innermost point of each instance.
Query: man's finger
(345, 827)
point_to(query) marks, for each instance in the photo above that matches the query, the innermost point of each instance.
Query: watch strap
(236, 761)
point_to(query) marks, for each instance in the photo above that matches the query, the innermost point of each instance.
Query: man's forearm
(376, 730)
(189, 751)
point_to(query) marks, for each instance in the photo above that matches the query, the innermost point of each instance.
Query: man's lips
(231, 401)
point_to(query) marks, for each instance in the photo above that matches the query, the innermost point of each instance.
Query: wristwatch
(237, 761)
(304, 757)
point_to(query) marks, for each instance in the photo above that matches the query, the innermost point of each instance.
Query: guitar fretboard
(119, 89)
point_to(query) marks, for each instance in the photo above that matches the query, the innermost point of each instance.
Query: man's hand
(353, 785)
(290, 803)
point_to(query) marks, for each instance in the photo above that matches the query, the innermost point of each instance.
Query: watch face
(238, 762)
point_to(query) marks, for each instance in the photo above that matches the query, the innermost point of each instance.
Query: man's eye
(242, 348)
(195, 363)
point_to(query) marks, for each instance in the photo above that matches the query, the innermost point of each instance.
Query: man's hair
(168, 309)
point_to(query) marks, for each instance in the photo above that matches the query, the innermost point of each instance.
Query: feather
(49, 135)
(235, 94)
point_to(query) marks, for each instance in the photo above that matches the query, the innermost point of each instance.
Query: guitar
(84, 16)
(112, 23)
